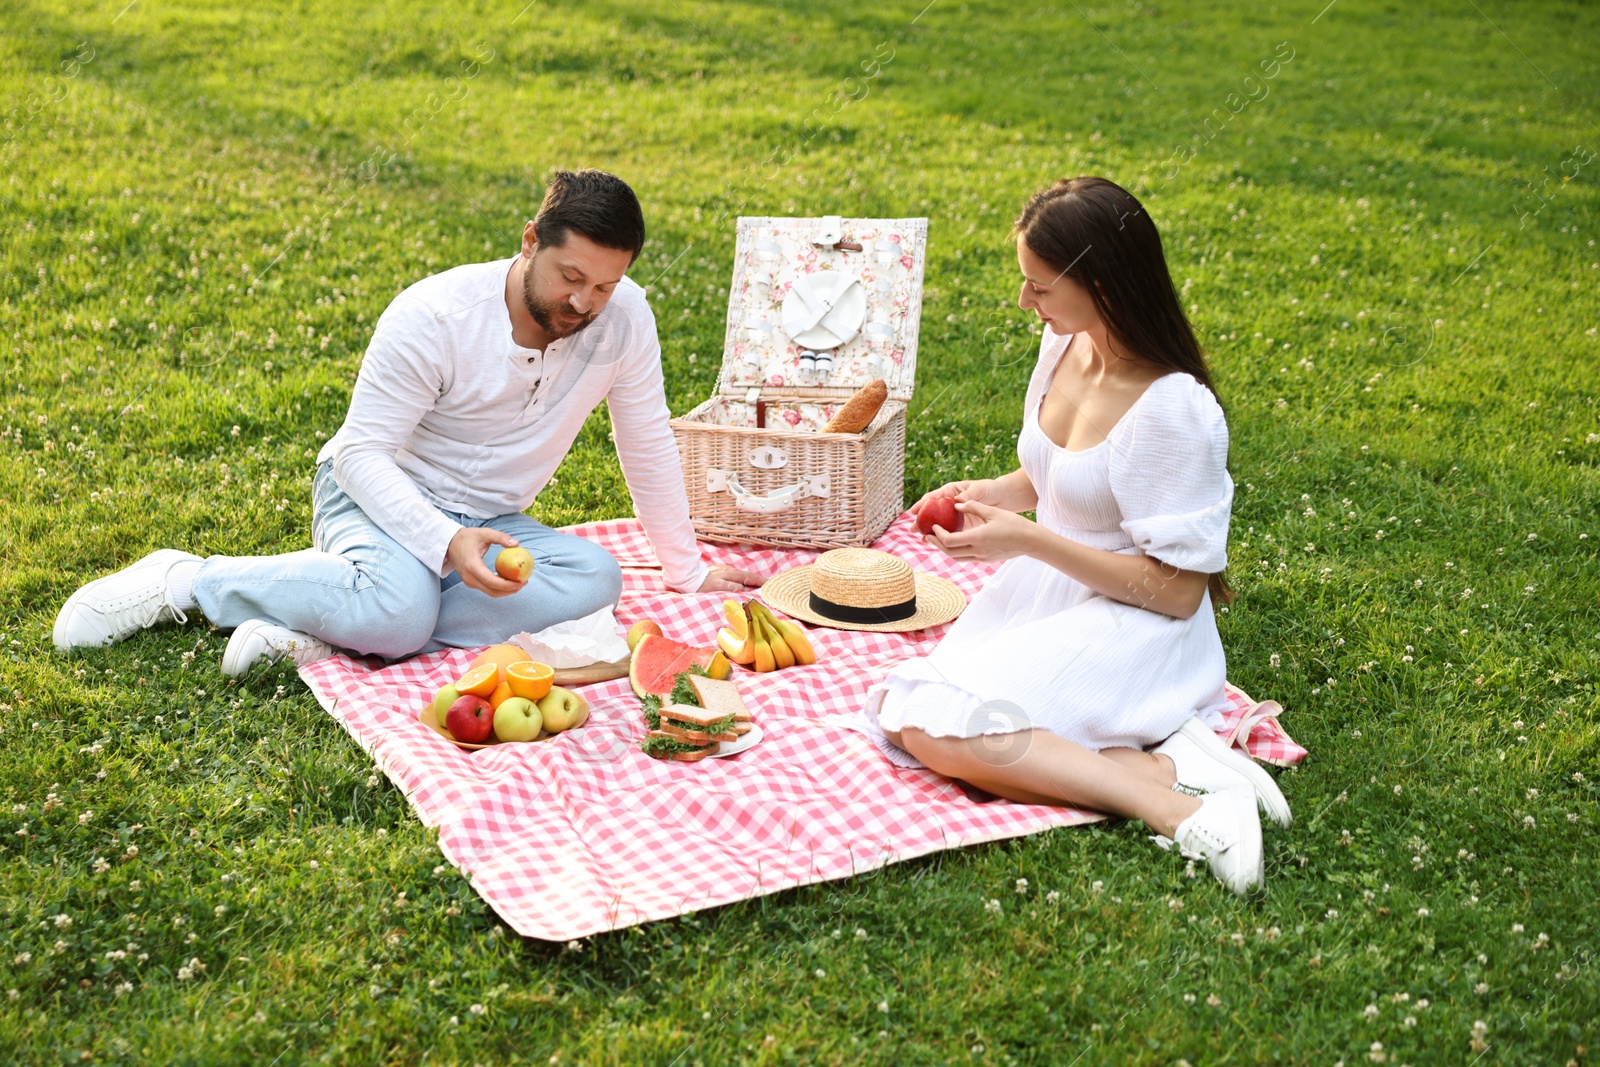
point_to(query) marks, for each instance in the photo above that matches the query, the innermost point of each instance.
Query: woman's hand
(982, 490)
(729, 580)
(988, 534)
(466, 553)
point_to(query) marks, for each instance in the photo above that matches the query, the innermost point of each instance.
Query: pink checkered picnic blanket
(584, 833)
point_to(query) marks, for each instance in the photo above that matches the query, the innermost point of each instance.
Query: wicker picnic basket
(818, 307)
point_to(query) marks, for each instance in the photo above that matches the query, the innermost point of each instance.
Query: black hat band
(847, 613)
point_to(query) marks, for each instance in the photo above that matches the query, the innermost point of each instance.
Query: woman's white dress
(1035, 648)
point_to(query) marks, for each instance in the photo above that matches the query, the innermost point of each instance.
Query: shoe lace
(145, 612)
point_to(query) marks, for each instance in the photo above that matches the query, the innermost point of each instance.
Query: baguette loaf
(859, 411)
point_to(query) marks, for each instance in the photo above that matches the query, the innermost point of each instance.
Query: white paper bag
(595, 638)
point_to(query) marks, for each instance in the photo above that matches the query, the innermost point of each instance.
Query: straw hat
(863, 589)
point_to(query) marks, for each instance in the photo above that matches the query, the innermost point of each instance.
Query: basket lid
(824, 305)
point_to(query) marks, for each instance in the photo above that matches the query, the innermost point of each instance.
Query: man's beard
(553, 318)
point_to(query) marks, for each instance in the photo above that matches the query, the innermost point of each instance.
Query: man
(473, 388)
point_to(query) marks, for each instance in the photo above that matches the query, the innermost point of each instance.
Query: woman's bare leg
(1156, 768)
(1036, 766)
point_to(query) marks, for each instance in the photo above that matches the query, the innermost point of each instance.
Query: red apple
(470, 719)
(940, 511)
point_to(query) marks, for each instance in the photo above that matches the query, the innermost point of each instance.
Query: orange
(501, 692)
(502, 656)
(530, 679)
(480, 680)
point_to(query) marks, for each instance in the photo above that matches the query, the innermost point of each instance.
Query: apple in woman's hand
(514, 564)
(940, 511)
(470, 719)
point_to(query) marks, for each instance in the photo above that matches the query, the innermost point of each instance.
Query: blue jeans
(358, 589)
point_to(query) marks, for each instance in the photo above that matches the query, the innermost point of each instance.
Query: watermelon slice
(656, 661)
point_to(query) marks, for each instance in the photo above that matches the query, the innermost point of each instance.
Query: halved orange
(480, 680)
(530, 679)
(502, 656)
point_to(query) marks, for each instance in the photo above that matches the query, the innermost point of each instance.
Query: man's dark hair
(598, 205)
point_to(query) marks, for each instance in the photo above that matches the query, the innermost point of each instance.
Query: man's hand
(729, 580)
(466, 553)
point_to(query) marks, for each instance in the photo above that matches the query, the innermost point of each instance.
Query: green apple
(517, 719)
(562, 709)
(442, 701)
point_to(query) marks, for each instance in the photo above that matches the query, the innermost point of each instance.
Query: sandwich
(698, 716)
(722, 697)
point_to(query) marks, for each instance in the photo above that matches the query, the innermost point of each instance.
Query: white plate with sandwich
(718, 725)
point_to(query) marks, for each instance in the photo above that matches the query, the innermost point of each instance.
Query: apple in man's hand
(517, 719)
(470, 719)
(940, 511)
(563, 709)
(514, 564)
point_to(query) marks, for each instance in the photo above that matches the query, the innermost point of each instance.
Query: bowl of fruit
(504, 697)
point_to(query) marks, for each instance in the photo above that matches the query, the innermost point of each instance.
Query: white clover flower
(1022, 885)
(992, 905)
(477, 1009)
(1370, 1011)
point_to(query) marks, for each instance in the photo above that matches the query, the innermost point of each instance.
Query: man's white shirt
(449, 412)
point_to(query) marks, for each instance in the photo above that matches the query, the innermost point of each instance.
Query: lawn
(1383, 219)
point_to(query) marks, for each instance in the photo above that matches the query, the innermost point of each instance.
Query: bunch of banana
(757, 639)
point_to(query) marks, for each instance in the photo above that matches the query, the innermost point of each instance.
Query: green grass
(203, 222)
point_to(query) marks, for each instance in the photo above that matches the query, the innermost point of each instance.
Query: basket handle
(718, 481)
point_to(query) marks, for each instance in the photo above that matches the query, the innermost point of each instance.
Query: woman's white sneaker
(120, 605)
(1204, 762)
(1226, 833)
(256, 640)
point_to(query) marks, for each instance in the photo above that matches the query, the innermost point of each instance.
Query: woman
(1095, 638)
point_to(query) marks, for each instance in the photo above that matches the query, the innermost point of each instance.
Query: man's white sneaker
(1226, 833)
(1204, 762)
(254, 640)
(120, 605)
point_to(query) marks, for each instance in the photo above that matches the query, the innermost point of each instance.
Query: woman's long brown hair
(1096, 233)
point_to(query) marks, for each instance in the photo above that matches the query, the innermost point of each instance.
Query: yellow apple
(562, 709)
(641, 629)
(517, 719)
(442, 701)
(514, 564)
